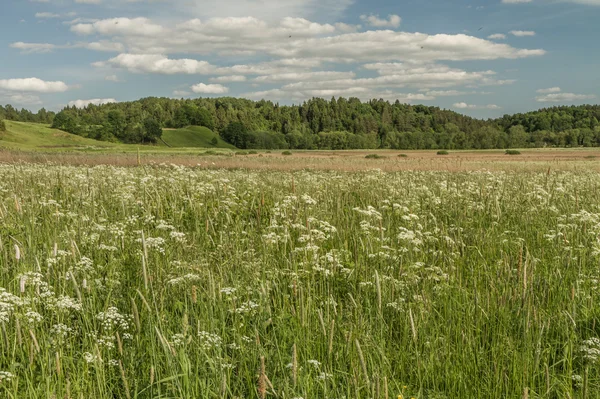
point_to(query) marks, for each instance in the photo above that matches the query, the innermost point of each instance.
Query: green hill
(25, 135)
(37, 136)
(192, 136)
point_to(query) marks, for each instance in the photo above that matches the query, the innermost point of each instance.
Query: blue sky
(484, 58)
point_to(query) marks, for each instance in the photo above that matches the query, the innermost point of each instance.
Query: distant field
(30, 136)
(39, 137)
(193, 136)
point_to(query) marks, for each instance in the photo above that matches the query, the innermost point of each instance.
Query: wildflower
(6, 376)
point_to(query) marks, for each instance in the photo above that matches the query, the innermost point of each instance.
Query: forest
(321, 124)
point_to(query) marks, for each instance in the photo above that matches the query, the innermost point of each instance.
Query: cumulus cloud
(564, 97)
(229, 79)
(295, 38)
(156, 63)
(103, 45)
(522, 33)
(497, 36)
(20, 98)
(392, 21)
(549, 90)
(463, 105)
(113, 78)
(95, 101)
(46, 15)
(33, 85)
(202, 88)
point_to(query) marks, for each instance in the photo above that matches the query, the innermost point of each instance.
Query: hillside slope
(192, 136)
(24, 135)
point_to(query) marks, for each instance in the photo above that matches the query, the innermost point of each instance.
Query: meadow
(173, 281)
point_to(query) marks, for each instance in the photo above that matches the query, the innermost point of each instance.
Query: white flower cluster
(113, 319)
(209, 340)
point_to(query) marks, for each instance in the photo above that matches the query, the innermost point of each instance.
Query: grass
(374, 156)
(30, 136)
(168, 281)
(193, 136)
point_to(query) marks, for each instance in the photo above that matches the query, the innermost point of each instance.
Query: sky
(484, 58)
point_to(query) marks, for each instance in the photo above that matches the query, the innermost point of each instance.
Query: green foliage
(214, 141)
(329, 124)
(403, 155)
(513, 152)
(2, 126)
(286, 153)
(443, 152)
(374, 156)
(153, 131)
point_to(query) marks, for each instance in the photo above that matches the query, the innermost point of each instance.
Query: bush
(2, 126)
(241, 153)
(442, 152)
(374, 156)
(252, 152)
(214, 141)
(512, 152)
(286, 153)
(403, 155)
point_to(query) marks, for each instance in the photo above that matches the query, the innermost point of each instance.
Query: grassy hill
(192, 136)
(35, 136)
(29, 136)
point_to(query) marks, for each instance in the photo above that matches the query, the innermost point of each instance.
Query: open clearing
(190, 282)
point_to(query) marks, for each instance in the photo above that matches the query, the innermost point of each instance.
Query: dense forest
(320, 124)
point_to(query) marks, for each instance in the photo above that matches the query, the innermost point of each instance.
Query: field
(221, 281)
(39, 138)
(193, 136)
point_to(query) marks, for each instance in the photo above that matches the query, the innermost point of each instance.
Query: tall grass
(157, 282)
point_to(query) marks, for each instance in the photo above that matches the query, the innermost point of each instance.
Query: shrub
(403, 155)
(442, 152)
(252, 152)
(214, 141)
(2, 126)
(286, 153)
(590, 157)
(512, 152)
(374, 156)
(241, 153)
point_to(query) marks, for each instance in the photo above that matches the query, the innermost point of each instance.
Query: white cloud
(120, 26)
(463, 105)
(393, 21)
(113, 78)
(445, 93)
(202, 88)
(88, 1)
(516, 1)
(33, 85)
(305, 76)
(564, 97)
(522, 33)
(20, 98)
(95, 101)
(549, 90)
(155, 63)
(497, 36)
(296, 38)
(46, 15)
(103, 45)
(228, 79)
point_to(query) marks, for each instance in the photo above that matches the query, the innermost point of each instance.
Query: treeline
(331, 124)
(10, 113)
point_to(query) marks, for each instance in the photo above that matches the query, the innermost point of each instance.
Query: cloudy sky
(480, 57)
